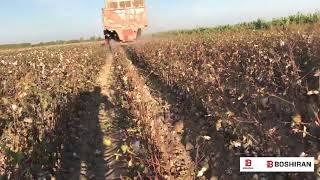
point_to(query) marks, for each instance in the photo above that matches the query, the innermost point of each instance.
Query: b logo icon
(248, 162)
(269, 164)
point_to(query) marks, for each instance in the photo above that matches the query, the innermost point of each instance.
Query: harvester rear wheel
(111, 35)
(139, 33)
(114, 36)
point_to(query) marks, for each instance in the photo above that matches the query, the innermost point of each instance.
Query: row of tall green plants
(259, 24)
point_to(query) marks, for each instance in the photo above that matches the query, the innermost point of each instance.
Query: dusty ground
(89, 154)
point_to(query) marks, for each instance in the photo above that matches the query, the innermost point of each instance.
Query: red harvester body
(124, 20)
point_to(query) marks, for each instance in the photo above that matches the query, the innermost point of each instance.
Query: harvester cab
(124, 20)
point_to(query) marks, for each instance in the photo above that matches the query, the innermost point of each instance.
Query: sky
(45, 20)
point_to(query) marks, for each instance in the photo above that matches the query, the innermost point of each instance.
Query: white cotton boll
(14, 107)
(303, 154)
(136, 146)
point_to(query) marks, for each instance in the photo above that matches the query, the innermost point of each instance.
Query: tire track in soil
(179, 157)
(110, 116)
(85, 155)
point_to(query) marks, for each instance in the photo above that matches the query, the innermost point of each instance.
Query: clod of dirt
(178, 127)
(214, 178)
(265, 102)
(189, 146)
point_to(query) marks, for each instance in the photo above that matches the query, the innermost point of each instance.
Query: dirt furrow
(149, 114)
(94, 134)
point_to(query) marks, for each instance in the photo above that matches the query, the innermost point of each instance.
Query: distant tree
(93, 38)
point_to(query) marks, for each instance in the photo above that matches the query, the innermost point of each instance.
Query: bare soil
(86, 155)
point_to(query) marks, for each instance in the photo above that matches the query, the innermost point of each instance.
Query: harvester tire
(139, 33)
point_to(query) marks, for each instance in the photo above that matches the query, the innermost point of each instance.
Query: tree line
(58, 42)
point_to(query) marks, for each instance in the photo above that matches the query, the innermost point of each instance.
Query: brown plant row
(168, 156)
(37, 89)
(260, 88)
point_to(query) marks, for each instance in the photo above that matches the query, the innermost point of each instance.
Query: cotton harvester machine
(124, 20)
